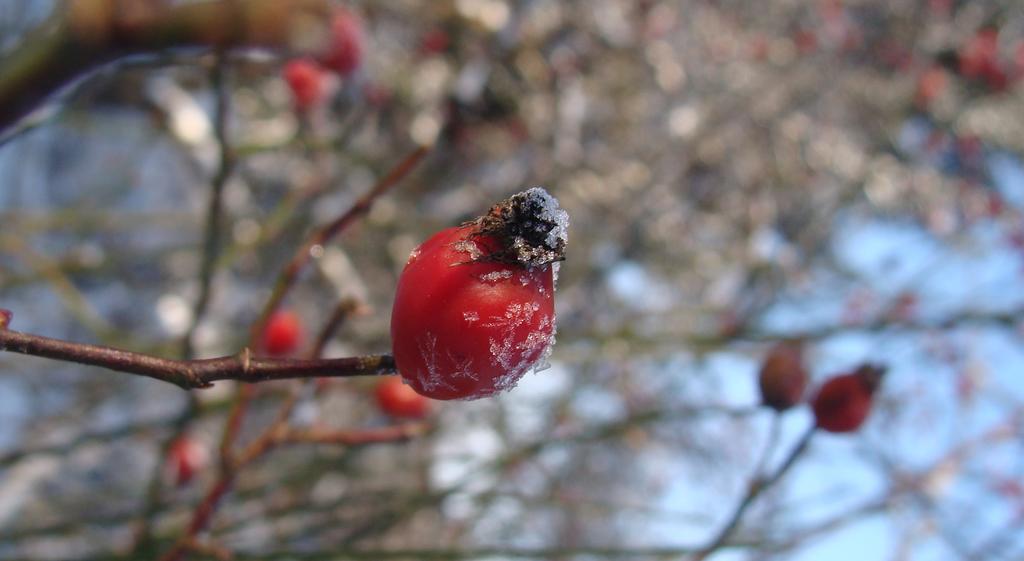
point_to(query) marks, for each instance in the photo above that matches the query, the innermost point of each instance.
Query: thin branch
(193, 374)
(291, 271)
(345, 309)
(394, 433)
(757, 485)
(105, 435)
(803, 535)
(368, 554)
(230, 463)
(271, 438)
(211, 251)
(1008, 319)
(215, 203)
(286, 280)
(275, 430)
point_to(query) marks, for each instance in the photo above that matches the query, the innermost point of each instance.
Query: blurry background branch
(82, 35)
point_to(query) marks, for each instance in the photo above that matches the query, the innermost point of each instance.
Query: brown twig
(394, 433)
(211, 250)
(215, 203)
(210, 550)
(344, 310)
(230, 463)
(286, 280)
(757, 485)
(193, 374)
(272, 437)
(291, 271)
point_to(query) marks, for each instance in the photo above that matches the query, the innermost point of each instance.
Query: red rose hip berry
(345, 52)
(396, 399)
(474, 309)
(843, 402)
(283, 333)
(783, 376)
(307, 83)
(185, 458)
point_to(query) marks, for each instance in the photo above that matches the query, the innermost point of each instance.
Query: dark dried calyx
(530, 228)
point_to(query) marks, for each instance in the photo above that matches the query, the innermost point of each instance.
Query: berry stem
(194, 374)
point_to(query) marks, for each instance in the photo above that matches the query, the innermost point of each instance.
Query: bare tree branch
(83, 35)
(194, 374)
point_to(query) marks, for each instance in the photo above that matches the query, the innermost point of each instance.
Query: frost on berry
(531, 228)
(516, 357)
(496, 276)
(430, 377)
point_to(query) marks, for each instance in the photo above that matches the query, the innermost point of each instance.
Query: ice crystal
(495, 276)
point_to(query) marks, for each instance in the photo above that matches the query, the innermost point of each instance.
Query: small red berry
(397, 399)
(345, 51)
(283, 333)
(783, 376)
(843, 402)
(306, 81)
(996, 77)
(185, 458)
(5, 318)
(980, 53)
(930, 85)
(434, 42)
(474, 308)
(806, 41)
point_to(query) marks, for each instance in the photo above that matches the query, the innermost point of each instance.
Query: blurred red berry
(5, 318)
(843, 402)
(894, 54)
(996, 205)
(376, 95)
(434, 42)
(345, 51)
(930, 85)
(185, 458)
(306, 80)
(474, 308)
(759, 48)
(980, 53)
(397, 399)
(283, 333)
(941, 8)
(783, 376)
(806, 42)
(996, 78)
